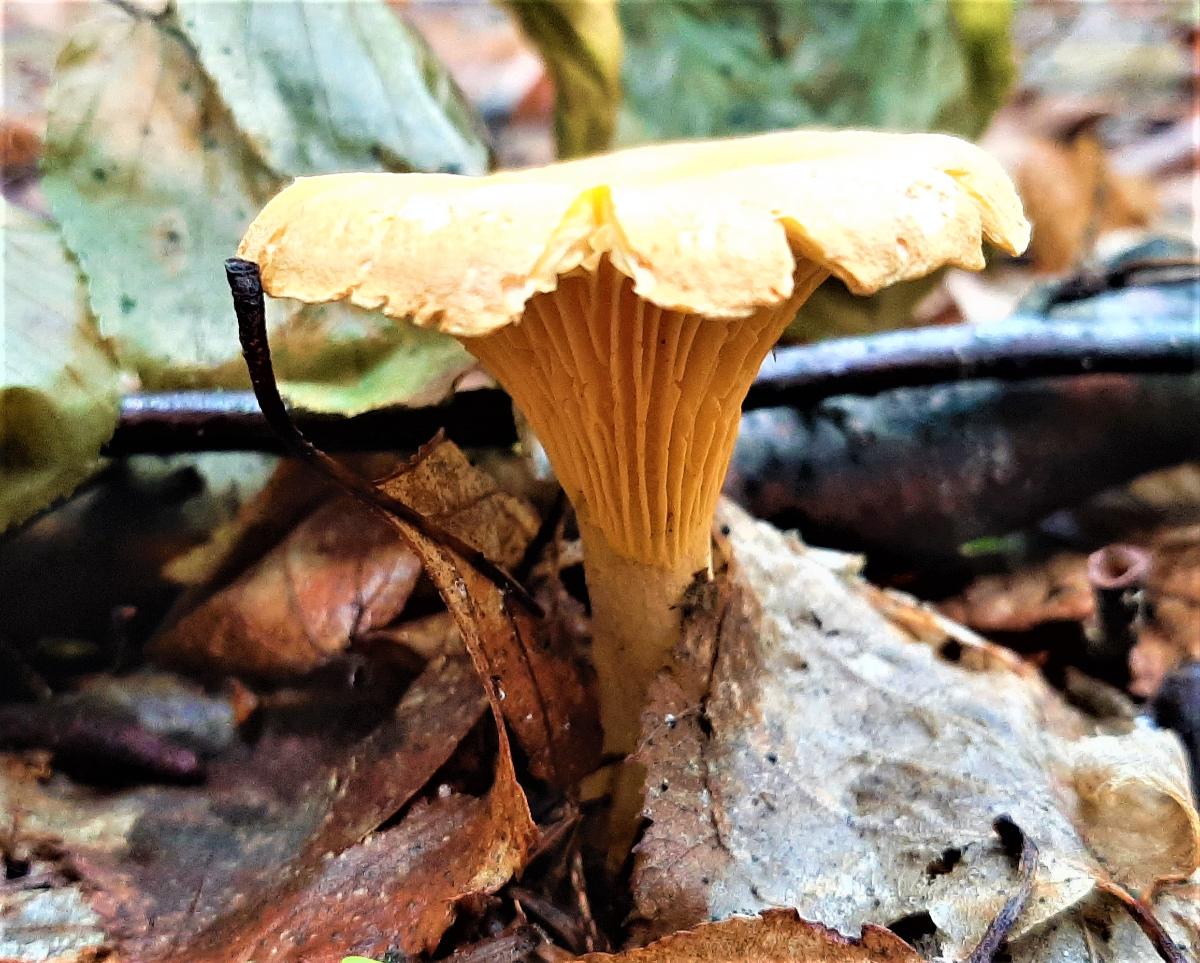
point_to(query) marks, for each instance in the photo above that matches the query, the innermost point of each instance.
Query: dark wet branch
(1015, 350)
(919, 472)
(177, 421)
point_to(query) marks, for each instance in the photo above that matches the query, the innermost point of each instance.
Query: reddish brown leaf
(212, 865)
(399, 888)
(777, 936)
(538, 684)
(341, 571)
(417, 872)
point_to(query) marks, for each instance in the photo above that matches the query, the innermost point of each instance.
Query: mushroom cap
(714, 228)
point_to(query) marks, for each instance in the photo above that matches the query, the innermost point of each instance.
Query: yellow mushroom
(626, 301)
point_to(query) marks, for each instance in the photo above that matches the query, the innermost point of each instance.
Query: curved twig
(249, 305)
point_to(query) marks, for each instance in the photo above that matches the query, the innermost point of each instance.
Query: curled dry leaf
(340, 572)
(777, 936)
(530, 673)
(806, 751)
(1135, 810)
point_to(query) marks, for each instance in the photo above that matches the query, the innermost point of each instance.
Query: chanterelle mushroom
(626, 301)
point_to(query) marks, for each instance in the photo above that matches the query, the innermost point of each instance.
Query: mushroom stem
(635, 626)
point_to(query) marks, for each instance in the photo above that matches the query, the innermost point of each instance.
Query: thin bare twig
(1147, 922)
(1016, 350)
(249, 306)
(1021, 848)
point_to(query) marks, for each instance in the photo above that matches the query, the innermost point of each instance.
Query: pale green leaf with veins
(320, 87)
(153, 182)
(59, 387)
(152, 188)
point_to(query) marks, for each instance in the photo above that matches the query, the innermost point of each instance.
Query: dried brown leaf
(399, 888)
(167, 869)
(341, 571)
(530, 674)
(338, 889)
(1072, 195)
(1057, 590)
(777, 936)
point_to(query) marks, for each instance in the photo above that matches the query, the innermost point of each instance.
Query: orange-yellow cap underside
(638, 407)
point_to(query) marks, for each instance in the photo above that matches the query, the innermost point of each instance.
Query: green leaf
(152, 187)
(339, 358)
(706, 68)
(154, 183)
(328, 86)
(59, 391)
(697, 68)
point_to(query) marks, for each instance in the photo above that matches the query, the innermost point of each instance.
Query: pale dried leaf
(1135, 810)
(49, 926)
(837, 767)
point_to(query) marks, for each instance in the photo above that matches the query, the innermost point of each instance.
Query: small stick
(89, 735)
(1147, 922)
(250, 308)
(514, 942)
(1117, 574)
(1018, 349)
(569, 930)
(1021, 848)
